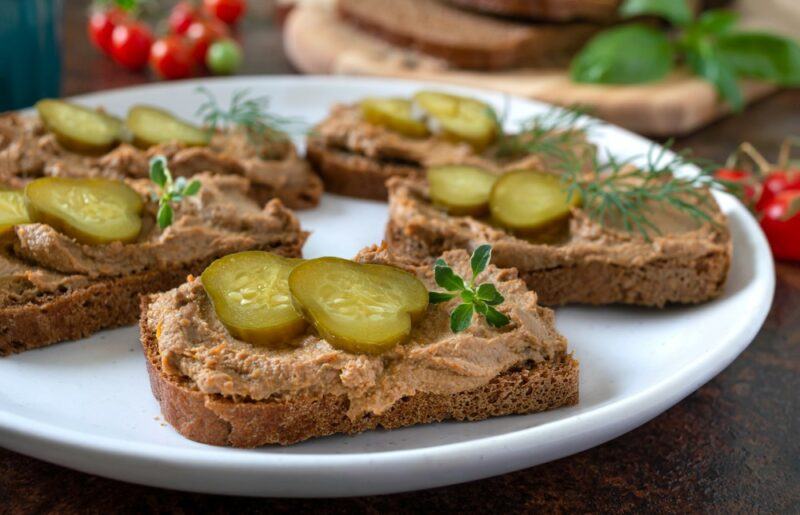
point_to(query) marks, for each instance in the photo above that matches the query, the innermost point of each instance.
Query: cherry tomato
(781, 224)
(181, 16)
(776, 182)
(201, 34)
(101, 25)
(171, 57)
(224, 57)
(748, 183)
(228, 11)
(130, 45)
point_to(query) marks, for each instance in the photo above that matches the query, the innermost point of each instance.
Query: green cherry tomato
(224, 57)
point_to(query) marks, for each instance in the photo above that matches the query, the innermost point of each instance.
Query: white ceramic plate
(87, 404)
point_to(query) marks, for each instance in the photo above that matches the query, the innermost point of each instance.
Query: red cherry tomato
(101, 25)
(202, 34)
(748, 183)
(171, 57)
(776, 182)
(181, 16)
(228, 11)
(781, 224)
(130, 45)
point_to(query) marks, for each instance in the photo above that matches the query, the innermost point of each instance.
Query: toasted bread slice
(465, 39)
(597, 268)
(205, 383)
(547, 10)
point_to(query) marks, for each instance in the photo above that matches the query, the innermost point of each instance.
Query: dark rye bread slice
(216, 420)
(355, 175)
(465, 39)
(103, 304)
(548, 10)
(419, 231)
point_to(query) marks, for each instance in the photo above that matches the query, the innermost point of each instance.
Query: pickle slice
(12, 209)
(530, 203)
(151, 126)
(360, 308)
(461, 190)
(250, 294)
(80, 128)
(394, 114)
(93, 211)
(459, 118)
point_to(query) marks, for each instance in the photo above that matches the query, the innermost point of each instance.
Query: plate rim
(610, 420)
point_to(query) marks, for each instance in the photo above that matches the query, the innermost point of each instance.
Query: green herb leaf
(480, 259)
(487, 292)
(158, 170)
(761, 56)
(447, 278)
(436, 297)
(191, 189)
(164, 216)
(461, 318)
(715, 21)
(495, 318)
(676, 12)
(707, 63)
(626, 55)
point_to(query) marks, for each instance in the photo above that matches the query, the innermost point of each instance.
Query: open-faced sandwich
(261, 349)
(75, 253)
(619, 234)
(68, 140)
(358, 147)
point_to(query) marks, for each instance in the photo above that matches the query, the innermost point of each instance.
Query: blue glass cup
(30, 51)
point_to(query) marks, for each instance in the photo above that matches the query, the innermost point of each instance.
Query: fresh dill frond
(622, 191)
(546, 133)
(248, 113)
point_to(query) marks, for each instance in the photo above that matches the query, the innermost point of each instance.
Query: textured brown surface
(730, 447)
(214, 420)
(551, 10)
(102, 305)
(354, 175)
(486, 44)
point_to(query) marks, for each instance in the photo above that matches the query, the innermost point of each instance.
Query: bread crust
(215, 420)
(354, 175)
(104, 304)
(548, 10)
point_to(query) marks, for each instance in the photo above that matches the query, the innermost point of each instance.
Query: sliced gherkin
(12, 209)
(80, 128)
(395, 114)
(459, 118)
(461, 190)
(151, 126)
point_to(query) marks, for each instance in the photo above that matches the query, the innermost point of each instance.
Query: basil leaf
(480, 259)
(437, 297)
(488, 293)
(626, 55)
(676, 12)
(158, 170)
(762, 56)
(192, 188)
(461, 317)
(495, 318)
(446, 278)
(716, 21)
(164, 215)
(707, 63)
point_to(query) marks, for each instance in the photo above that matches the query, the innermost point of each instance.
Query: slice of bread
(666, 270)
(203, 381)
(464, 39)
(548, 10)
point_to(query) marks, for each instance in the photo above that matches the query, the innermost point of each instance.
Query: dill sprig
(545, 133)
(250, 114)
(620, 190)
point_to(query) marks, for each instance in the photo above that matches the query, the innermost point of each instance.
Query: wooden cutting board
(317, 42)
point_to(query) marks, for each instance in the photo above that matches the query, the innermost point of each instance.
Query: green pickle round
(250, 294)
(151, 126)
(93, 211)
(460, 118)
(359, 308)
(12, 209)
(395, 114)
(531, 204)
(80, 128)
(460, 190)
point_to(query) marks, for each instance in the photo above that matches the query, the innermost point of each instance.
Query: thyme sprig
(171, 191)
(620, 190)
(479, 299)
(248, 113)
